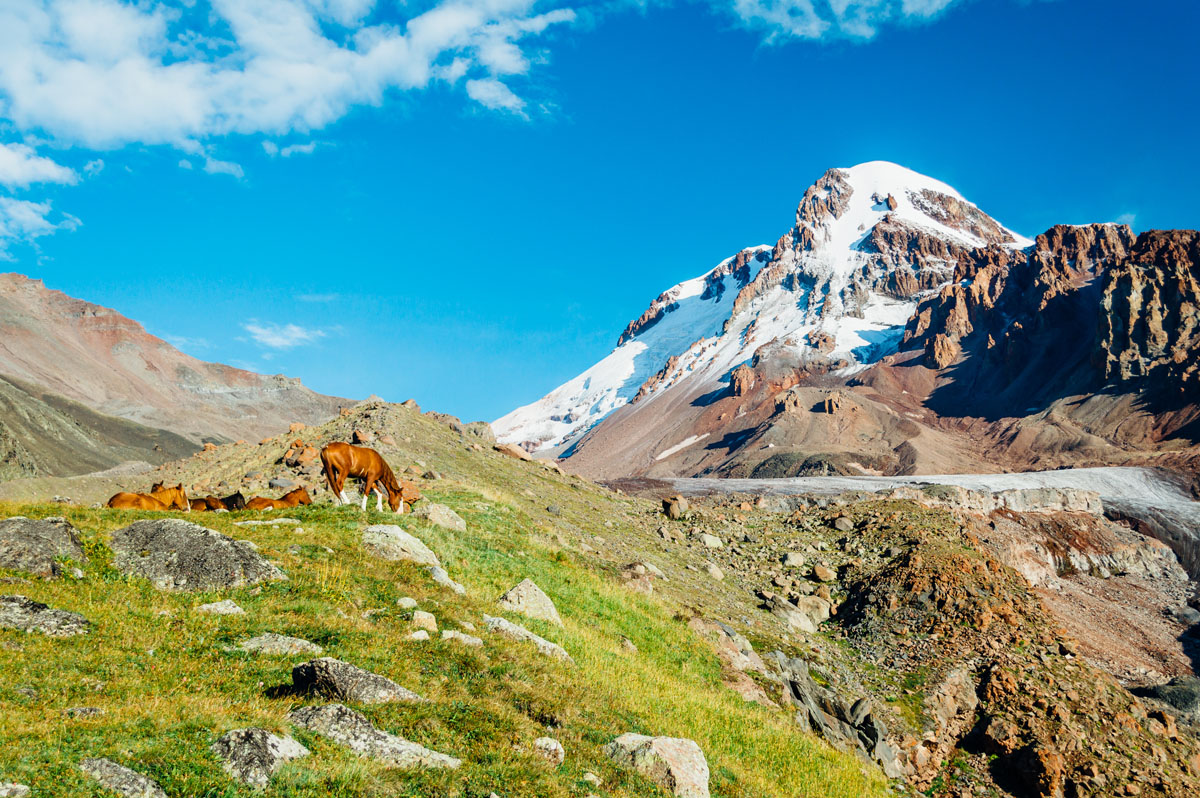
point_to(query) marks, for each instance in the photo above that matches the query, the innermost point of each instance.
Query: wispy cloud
(780, 20)
(25, 221)
(21, 166)
(273, 149)
(93, 167)
(1127, 218)
(318, 297)
(215, 167)
(282, 336)
(184, 342)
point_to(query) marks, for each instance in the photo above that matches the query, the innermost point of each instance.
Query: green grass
(169, 684)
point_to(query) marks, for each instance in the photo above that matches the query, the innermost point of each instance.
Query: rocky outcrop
(252, 755)
(346, 727)
(341, 680)
(516, 632)
(440, 515)
(121, 779)
(179, 555)
(27, 615)
(390, 542)
(36, 546)
(678, 765)
(529, 600)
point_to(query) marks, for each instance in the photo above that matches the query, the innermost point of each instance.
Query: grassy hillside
(169, 685)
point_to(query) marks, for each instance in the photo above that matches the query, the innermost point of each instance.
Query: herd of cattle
(339, 461)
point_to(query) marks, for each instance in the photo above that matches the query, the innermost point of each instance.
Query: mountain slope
(43, 434)
(97, 357)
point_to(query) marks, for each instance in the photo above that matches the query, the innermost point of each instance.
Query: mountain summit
(898, 329)
(836, 290)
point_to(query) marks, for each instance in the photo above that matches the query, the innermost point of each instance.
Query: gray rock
(675, 763)
(121, 779)
(406, 603)
(711, 541)
(341, 680)
(10, 789)
(843, 524)
(550, 750)
(440, 515)
(424, 620)
(465, 639)
(420, 634)
(179, 555)
(793, 559)
(529, 600)
(439, 576)
(390, 542)
(27, 615)
(512, 630)
(280, 483)
(845, 726)
(1186, 615)
(224, 607)
(279, 645)
(1182, 693)
(33, 546)
(346, 727)
(252, 755)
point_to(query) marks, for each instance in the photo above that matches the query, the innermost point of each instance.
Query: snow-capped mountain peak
(835, 291)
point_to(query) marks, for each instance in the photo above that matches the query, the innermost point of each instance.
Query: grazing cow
(341, 460)
(291, 499)
(159, 498)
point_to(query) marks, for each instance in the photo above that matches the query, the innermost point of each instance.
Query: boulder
(406, 603)
(346, 727)
(461, 637)
(440, 577)
(675, 507)
(676, 764)
(711, 541)
(815, 608)
(34, 546)
(512, 450)
(843, 524)
(529, 600)
(27, 615)
(363, 436)
(517, 632)
(179, 555)
(279, 483)
(424, 620)
(793, 559)
(440, 515)
(121, 779)
(224, 607)
(252, 755)
(791, 615)
(420, 634)
(550, 750)
(278, 645)
(823, 573)
(390, 542)
(10, 789)
(341, 680)
(1181, 693)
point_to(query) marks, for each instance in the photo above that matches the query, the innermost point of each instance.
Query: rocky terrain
(560, 636)
(897, 329)
(85, 388)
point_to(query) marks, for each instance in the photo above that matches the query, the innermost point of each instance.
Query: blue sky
(465, 201)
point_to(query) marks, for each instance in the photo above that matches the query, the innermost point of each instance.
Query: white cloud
(282, 336)
(184, 163)
(21, 166)
(1127, 218)
(780, 20)
(22, 220)
(273, 149)
(215, 167)
(93, 167)
(491, 93)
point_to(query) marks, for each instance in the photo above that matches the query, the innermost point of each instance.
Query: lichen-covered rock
(529, 600)
(390, 542)
(439, 576)
(346, 727)
(10, 789)
(516, 632)
(675, 763)
(27, 615)
(34, 546)
(252, 755)
(461, 637)
(337, 679)
(441, 515)
(179, 555)
(223, 607)
(121, 779)
(550, 750)
(279, 645)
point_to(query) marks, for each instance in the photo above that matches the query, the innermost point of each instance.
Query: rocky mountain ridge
(897, 329)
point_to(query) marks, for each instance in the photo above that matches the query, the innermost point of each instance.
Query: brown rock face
(741, 380)
(1150, 327)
